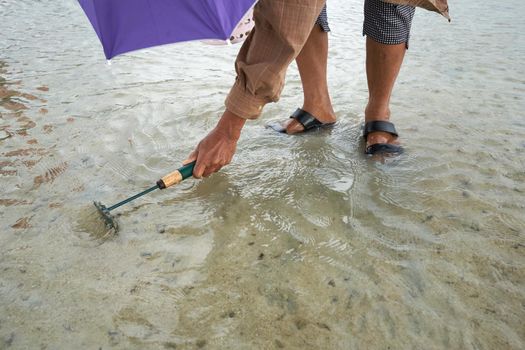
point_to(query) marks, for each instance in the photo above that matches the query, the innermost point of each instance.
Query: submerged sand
(302, 242)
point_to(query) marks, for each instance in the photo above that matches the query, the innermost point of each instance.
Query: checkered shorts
(322, 20)
(385, 23)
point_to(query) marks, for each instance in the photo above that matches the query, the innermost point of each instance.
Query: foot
(322, 112)
(381, 137)
(376, 137)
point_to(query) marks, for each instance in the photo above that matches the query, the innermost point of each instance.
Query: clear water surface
(302, 242)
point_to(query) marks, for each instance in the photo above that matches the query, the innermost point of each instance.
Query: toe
(294, 127)
(377, 137)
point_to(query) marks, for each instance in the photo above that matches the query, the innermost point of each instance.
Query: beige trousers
(281, 30)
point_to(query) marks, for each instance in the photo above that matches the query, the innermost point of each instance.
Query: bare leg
(312, 64)
(383, 63)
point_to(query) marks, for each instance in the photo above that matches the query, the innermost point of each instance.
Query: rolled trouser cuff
(281, 30)
(243, 103)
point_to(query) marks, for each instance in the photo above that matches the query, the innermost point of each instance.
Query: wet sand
(302, 242)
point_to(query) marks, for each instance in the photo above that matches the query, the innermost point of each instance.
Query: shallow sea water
(302, 242)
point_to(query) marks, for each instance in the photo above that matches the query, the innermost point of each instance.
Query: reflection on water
(302, 242)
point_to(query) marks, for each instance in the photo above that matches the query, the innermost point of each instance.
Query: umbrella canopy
(128, 25)
(440, 6)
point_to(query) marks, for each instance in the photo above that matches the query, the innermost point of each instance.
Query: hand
(218, 147)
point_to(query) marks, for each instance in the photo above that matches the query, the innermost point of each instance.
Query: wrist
(231, 125)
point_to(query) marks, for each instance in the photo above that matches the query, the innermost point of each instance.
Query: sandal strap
(307, 120)
(379, 125)
(384, 148)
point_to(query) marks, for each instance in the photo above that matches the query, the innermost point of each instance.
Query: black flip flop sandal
(381, 148)
(308, 121)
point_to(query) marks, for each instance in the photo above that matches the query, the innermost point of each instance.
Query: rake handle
(177, 176)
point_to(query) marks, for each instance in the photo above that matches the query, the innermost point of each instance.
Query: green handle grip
(187, 170)
(177, 176)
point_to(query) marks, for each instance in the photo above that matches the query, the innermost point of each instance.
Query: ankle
(319, 107)
(377, 113)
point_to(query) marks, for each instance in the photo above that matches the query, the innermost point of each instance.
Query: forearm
(230, 125)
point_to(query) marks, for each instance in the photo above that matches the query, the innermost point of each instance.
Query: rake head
(111, 223)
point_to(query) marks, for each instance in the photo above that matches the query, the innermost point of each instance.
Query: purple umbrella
(128, 25)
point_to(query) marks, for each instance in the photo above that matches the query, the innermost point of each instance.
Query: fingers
(215, 168)
(204, 166)
(199, 169)
(192, 157)
(212, 153)
(204, 170)
(211, 170)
